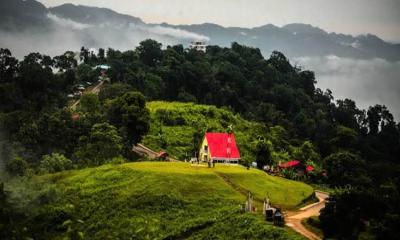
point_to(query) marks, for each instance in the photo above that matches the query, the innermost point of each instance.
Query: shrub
(54, 162)
(17, 166)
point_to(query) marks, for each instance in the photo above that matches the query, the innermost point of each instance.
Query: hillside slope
(179, 127)
(151, 200)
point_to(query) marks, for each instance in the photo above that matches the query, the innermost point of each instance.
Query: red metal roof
(309, 168)
(162, 154)
(289, 164)
(222, 145)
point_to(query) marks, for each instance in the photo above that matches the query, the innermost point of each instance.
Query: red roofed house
(220, 148)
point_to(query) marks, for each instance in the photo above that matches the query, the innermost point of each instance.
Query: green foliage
(84, 72)
(348, 209)
(90, 103)
(345, 168)
(111, 91)
(263, 154)
(150, 52)
(179, 128)
(55, 162)
(17, 166)
(345, 138)
(306, 152)
(102, 144)
(130, 115)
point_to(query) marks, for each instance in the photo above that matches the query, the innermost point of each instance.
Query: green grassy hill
(153, 200)
(179, 127)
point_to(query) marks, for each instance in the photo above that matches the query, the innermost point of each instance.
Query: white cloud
(70, 35)
(177, 33)
(67, 22)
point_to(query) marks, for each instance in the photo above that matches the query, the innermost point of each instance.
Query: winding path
(293, 220)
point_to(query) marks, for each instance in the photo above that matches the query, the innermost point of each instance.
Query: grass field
(153, 200)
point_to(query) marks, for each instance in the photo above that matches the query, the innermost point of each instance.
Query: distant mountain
(294, 40)
(297, 40)
(93, 15)
(16, 15)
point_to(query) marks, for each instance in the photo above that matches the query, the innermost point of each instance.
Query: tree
(347, 114)
(112, 91)
(101, 55)
(344, 211)
(150, 52)
(345, 138)
(263, 154)
(55, 162)
(101, 146)
(66, 61)
(307, 81)
(84, 72)
(130, 115)
(280, 62)
(84, 55)
(306, 152)
(17, 166)
(345, 168)
(378, 117)
(90, 103)
(8, 65)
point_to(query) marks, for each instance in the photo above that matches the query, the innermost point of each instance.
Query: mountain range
(95, 25)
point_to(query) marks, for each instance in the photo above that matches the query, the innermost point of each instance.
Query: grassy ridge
(280, 191)
(176, 127)
(148, 201)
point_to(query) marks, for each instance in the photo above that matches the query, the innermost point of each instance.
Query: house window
(205, 148)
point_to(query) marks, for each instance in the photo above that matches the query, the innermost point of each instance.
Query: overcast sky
(381, 17)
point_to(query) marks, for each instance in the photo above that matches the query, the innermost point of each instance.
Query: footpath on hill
(293, 219)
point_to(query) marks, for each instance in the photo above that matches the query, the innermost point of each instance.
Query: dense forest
(354, 151)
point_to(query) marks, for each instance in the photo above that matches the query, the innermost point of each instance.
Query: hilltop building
(199, 46)
(219, 148)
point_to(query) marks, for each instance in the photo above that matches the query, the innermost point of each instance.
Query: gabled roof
(309, 168)
(289, 164)
(222, 145)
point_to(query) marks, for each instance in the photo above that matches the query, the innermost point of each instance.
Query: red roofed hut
(296, 165)
(219, 148)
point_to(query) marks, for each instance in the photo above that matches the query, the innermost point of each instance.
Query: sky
(380, 17)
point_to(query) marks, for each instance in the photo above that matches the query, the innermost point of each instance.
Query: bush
(118, 160)
(17, 166)
(54, 162)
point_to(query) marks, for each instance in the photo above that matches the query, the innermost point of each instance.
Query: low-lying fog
(368, 82)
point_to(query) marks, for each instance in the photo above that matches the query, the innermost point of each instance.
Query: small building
(219, 148)
(198, 45)
(163, 156)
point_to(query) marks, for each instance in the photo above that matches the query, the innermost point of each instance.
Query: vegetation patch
(179, 128)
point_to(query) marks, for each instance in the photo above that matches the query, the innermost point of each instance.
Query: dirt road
(294, 218)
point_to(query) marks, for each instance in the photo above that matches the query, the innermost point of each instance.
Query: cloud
(368, 82)
(177, 33)
(67, 22)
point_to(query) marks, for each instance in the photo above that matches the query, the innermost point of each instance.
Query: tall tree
(130, 115)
